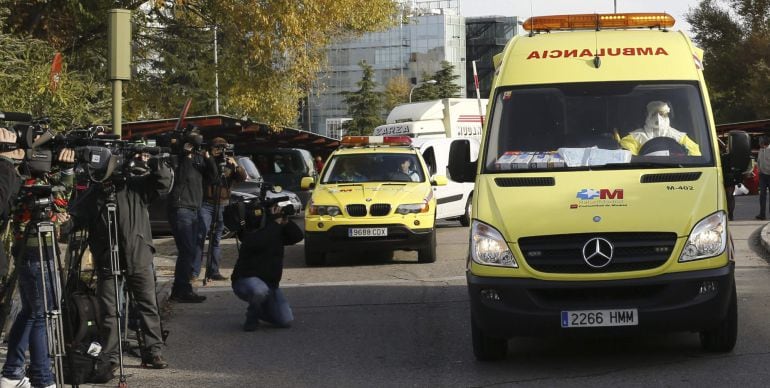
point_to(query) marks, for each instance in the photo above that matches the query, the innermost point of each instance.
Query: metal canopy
(236, 131)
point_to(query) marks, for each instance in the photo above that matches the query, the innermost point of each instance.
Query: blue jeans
(266, 304)
(764, 186)
(184, 226)
(29, 328)
(205, 216)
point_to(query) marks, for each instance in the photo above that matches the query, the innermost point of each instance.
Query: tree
(364, 105)
(736, 47)
(445, 81)
(269, 50)
(445, 86)
(425, 91)
(25, 79)
(396, 92)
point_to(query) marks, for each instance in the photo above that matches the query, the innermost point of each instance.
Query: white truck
(445, 118)
(434, 125)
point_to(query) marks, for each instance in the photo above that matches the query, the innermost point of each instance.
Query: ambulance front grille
(632, 251)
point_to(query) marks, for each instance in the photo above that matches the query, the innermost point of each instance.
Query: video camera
(182, 141)
(107, 157)
(42, 145)
(247, 211)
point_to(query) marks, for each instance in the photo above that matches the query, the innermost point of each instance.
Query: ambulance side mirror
(460, 167)
(739, 150)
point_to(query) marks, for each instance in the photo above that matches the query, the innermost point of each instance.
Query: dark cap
(218, 140)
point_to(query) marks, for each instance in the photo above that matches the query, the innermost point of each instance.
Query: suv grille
(564, 253)
(379, 209)
(356, 210)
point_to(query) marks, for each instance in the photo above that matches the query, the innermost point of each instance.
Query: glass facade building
(486, 37)
(433, 33)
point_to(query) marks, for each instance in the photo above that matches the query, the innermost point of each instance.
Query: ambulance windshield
(615, 125)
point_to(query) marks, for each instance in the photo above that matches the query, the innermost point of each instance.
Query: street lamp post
(430, 82)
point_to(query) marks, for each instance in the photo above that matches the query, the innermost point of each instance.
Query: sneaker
(251, 323)
(8, 383)
(190, 297)
(155, 362)
(217, 276)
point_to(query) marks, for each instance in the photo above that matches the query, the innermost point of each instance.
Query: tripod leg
(112, 226)
(51, 283)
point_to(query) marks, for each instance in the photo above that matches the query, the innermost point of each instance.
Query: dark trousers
(141, 285)
(764, 186)
(184, 226)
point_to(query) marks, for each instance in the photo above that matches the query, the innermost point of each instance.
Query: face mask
(656, 123)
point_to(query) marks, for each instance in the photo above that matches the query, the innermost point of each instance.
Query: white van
(454, 200)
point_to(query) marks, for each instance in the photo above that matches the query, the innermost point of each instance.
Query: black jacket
(9, 187)
(190, 175)
(261, 253)
(134, 234)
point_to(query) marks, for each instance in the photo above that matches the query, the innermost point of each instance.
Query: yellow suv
(373, 194)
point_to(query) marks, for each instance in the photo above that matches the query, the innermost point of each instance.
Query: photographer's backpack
(84, 361)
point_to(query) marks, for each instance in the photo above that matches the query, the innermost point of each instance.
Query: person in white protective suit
(657, 124)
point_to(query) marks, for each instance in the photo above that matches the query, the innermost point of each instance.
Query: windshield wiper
(630, 166)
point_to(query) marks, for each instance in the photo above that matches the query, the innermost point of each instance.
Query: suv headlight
(413, 208)
(488, 247)
(324, 210)
(707, 239)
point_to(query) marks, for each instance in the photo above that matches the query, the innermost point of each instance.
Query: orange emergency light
(361, 141)
(598, 21)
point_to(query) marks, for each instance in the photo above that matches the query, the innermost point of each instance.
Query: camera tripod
(50, 273)
(215, 219)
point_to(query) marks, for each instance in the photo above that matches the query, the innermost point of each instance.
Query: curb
(765, 237)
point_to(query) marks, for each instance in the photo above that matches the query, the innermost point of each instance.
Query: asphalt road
(364, 320)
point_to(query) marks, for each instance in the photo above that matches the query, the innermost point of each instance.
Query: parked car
(283, 166)
(251, 186)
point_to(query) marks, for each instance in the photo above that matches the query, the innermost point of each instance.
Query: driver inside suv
(656, 125)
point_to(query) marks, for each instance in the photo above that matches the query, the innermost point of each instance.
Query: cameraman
(29, 331)
(215, 197)
(259, 268)
(9, 178)
(184, 202)
(148, 179)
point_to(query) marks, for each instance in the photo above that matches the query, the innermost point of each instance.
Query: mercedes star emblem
(597, 252)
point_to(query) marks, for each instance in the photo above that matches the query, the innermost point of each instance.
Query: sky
(521, 8)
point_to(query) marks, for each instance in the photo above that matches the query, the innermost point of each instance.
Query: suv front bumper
(399, 237)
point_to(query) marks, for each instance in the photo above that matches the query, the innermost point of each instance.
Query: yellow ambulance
(374, 194)
(599, 204)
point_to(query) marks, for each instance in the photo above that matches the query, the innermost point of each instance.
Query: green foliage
(269, 50)
(25, 68)
(736, 45)
(396, 92)
(364, 105)
(443, 88)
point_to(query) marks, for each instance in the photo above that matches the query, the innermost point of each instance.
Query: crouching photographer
(259, 268)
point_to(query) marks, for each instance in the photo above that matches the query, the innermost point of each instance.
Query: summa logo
(588, 194)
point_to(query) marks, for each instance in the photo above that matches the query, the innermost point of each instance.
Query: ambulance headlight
(707, 239)
(488, 247)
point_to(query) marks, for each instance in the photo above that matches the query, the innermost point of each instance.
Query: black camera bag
(86, 322)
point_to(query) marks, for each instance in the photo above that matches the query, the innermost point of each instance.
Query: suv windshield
(373, 167)
(599, 125)
(251, 170)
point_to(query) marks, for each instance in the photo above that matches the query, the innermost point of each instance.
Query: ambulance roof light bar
(362, 141)
(598, 21)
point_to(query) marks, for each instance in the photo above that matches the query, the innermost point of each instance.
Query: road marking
(448, 279)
